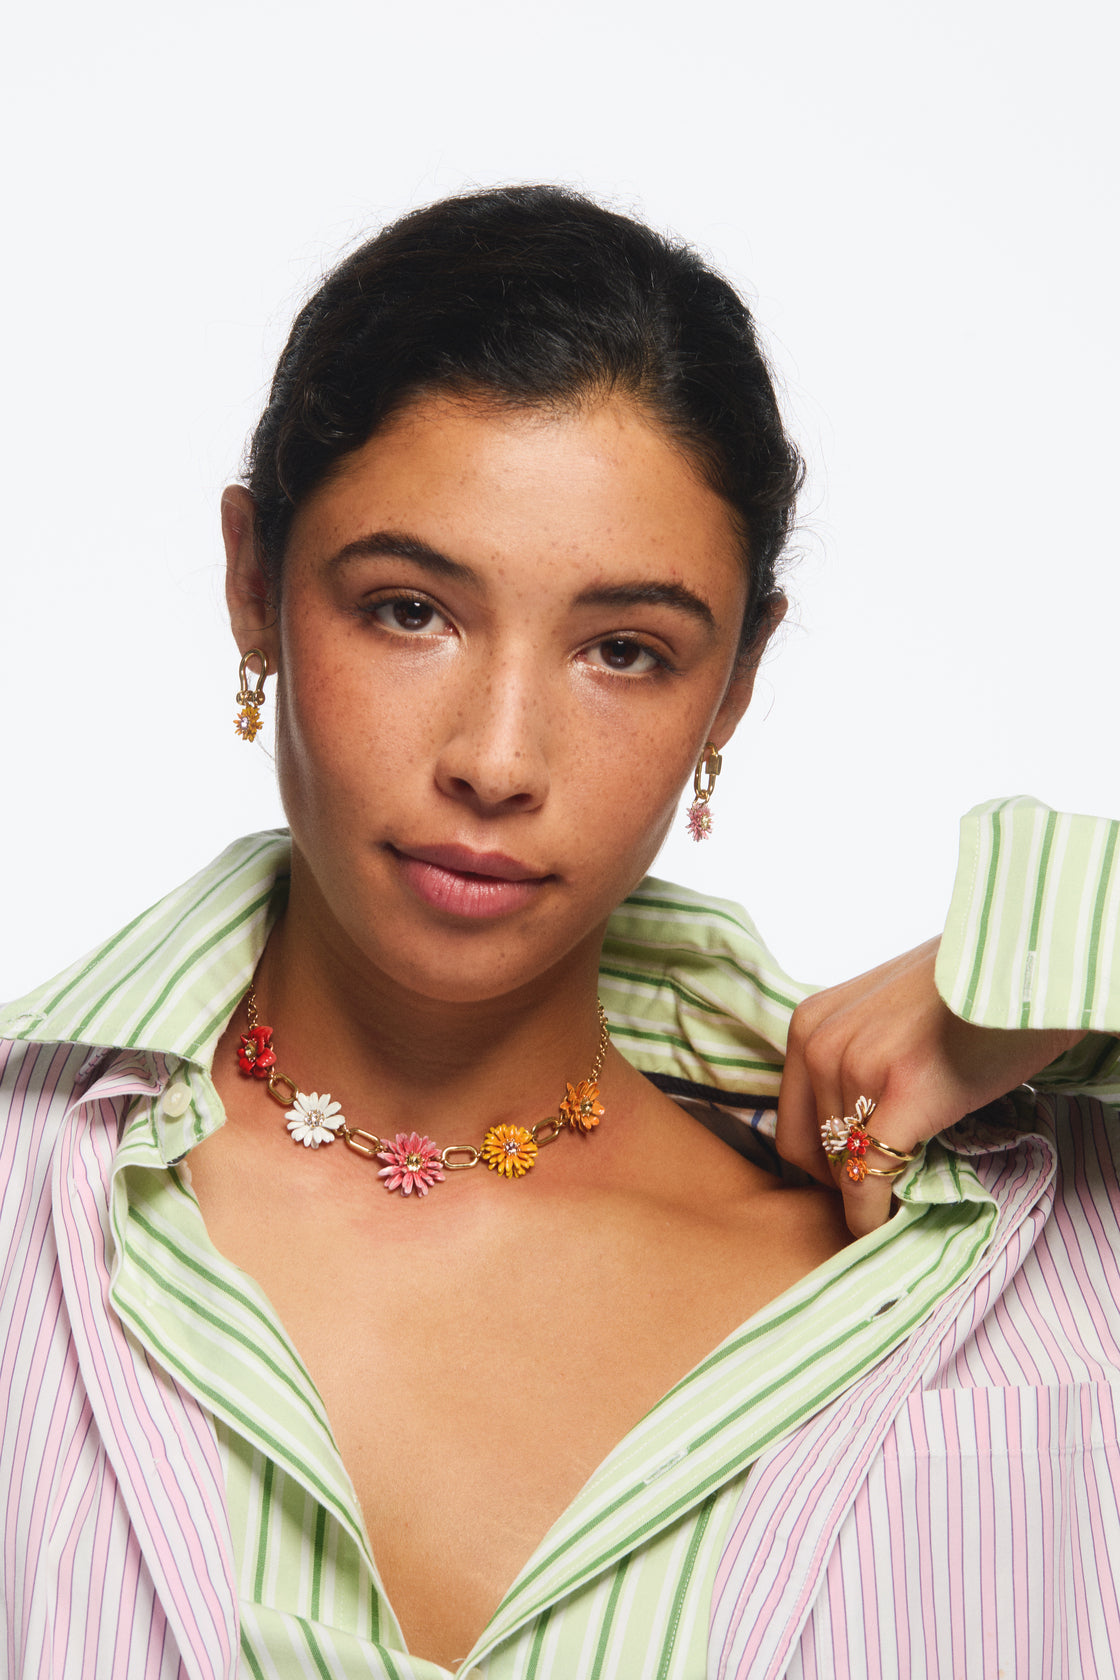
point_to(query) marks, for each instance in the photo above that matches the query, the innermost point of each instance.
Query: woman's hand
(887, 1035)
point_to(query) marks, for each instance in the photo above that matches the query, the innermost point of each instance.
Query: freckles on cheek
(346, 757)
(639, 799)
(655, 836)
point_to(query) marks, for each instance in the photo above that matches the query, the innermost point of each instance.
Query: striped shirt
(168, 1456)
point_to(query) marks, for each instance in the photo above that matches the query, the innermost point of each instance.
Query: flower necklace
(412, 1162)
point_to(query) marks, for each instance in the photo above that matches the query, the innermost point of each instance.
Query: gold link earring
(248, 720)
(708, 767)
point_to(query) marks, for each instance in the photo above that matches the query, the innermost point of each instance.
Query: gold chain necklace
(411, 1161)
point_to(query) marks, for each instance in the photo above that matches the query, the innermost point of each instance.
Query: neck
(399, 1060)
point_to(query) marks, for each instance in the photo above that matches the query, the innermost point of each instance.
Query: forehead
(600, 485)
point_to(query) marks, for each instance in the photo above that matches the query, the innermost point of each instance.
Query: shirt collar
(693, 996)
(169, 981)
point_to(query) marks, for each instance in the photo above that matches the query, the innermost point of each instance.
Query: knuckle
(800, 1028)
(862, 1069)
(821, 1054)
(809, 1013)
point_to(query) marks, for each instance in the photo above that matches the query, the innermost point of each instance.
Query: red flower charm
(255, 1054)
(854, 1165)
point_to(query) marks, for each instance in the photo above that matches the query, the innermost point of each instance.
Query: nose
(495, 757)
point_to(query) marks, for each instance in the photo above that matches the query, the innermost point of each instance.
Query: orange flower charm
(509, 1150)
(247, 724)
(581, 1107)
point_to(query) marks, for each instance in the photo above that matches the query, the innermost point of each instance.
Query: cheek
(638, 785)
(332, 742)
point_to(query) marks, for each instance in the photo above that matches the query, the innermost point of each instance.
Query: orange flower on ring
(509, 1150)
(581, 1107)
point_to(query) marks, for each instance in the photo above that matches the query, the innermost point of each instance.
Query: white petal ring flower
(834, 1134)
(314, 1119)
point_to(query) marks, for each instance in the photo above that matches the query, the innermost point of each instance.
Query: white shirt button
(176, 1100)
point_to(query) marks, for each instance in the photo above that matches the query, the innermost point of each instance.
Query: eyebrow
(398, 545)
(649, 595)
(401, 545)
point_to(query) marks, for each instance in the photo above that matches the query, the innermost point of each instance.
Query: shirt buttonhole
(665, 1465)
(1028, 977)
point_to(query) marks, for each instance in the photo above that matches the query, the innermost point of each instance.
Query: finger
(868, 1198)
(798, 1134)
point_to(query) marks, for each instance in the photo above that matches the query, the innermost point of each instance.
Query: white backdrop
(917, 200)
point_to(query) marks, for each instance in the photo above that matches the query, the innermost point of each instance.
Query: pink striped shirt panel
(79, 1597)
(984, 1536)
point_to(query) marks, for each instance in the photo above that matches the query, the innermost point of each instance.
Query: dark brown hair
(529, 296)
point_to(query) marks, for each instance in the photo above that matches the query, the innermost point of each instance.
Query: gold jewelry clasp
(247, 696)
(710, 763)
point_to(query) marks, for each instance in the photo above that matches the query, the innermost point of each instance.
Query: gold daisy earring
(248, 720)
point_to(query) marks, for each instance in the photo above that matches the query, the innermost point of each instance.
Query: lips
(494, 866)
(466, 883)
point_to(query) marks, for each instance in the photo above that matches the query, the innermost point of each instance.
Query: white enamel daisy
(314, 1119)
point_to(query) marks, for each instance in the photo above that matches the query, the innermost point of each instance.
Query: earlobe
(251, 613)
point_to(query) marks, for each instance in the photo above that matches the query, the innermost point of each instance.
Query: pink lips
(467, 883)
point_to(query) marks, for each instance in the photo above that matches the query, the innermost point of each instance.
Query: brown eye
(410, 615)
(619, 653)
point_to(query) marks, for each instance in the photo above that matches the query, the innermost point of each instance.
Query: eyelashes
(626, 655)
(410, 615)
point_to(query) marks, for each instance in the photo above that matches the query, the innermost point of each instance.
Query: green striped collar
(691, 991)
(170, 980)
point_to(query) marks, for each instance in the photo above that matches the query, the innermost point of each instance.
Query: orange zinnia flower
(509, 1150)
(248, 723)
(581, 1107)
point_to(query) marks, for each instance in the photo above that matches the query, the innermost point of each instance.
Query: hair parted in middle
(531, 296)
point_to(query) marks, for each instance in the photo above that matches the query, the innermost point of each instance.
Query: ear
(741, 687)
(251, 613)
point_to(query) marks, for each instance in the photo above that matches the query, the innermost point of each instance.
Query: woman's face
(503, 639)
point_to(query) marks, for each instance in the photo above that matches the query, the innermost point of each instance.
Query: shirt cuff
(1033, 934)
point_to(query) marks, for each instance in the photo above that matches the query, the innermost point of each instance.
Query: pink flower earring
(708, 767)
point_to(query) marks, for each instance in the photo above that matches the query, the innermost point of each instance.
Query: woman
(507, 544)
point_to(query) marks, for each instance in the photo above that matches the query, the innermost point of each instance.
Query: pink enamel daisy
(411, 1163)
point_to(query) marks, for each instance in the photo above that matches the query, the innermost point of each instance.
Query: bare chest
(481, 1354)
